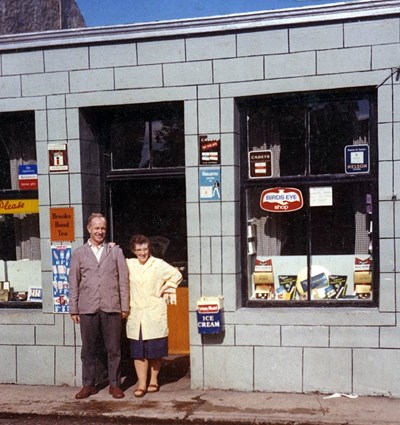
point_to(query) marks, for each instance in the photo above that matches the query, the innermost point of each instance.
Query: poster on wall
(61, 259)
(210, 150)
(62, 227)
(58, 157)
(210, 184)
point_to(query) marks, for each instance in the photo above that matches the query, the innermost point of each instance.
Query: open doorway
(141, 163)
(156, 207)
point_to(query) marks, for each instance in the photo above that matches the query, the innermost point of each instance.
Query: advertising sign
(260, 164)
(356, 159)
(210, 184)
(281, 199)
(58, 157)
(27, 177)
(210, 315)
(62, 224)
(61, 258)
(210, 151)
(19, 206)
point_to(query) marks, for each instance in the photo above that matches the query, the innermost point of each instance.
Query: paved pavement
(176, 401)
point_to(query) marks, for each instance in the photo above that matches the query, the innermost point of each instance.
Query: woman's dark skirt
(149, 349)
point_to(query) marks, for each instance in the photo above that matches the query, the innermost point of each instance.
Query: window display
(310, 189)
(20, 266)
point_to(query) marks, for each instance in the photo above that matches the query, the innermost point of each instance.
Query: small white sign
(321, 196)
(357, 157)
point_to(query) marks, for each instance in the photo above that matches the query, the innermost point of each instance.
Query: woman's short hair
(139, 240)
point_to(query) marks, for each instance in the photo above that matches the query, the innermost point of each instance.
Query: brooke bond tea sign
(281, 199)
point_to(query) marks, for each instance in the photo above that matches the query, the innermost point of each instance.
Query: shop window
(310, 185)
(141, 137)
(19, 216)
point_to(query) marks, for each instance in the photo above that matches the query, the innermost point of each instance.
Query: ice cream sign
(281, 199)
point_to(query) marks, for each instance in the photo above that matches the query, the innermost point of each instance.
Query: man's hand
(75, 318)
(124, 314)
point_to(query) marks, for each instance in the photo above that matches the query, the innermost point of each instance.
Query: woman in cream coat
(147, 325)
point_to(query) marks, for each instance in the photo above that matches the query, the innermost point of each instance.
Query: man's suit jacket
(98, 285)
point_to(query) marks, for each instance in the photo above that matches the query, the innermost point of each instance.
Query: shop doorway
(156, 207)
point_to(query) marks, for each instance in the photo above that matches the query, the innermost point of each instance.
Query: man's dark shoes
(85, 392)
(116, 392)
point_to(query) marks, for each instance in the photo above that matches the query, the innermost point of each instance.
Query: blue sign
(27, 169)
(210, 184)
(209, 323)
(27, 177)
(356, 159)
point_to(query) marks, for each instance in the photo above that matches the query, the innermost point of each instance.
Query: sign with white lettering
(281, 199)
(209, 315)
(260, 164)
(209, 323)
(210, 151)
(35, 294)
(27, 177)
(356, 159)
(58, 157)
(210, 184)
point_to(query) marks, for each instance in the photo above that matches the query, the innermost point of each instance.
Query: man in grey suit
(99, 301)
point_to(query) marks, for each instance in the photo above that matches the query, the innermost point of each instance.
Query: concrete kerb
(177, 403)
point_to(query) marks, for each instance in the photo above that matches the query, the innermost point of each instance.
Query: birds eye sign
(281, 199)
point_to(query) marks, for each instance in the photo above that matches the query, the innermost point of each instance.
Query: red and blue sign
(281, 199)
(27, 177)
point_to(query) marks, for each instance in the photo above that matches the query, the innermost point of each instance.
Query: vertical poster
(58, 157)
(210, 184)
(61, 258)
(210, 151)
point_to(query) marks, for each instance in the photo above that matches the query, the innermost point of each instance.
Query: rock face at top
(21, 16)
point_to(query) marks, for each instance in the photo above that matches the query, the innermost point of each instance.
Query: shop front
(259, 152)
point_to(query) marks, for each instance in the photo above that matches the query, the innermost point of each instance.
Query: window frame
(307, 181)
(16, 194)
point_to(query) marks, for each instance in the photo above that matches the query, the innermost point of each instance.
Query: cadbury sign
(281, 199)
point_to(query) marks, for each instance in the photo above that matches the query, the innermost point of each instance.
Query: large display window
(310, 190)
(20, 266)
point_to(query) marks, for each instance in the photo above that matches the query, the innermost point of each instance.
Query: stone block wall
(275, 349)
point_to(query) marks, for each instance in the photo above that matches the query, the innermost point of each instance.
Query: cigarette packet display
(362, 277)
(287, 287)
(263, 278)
(339, 286)
(363, 291)
(317, 282)
(265, 292)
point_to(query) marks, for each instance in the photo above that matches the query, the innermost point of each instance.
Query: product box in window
(4, 294)
(263, 278)
(265, 292)
(287, 287)
(319, 283)
(338, 285)
(363, 277)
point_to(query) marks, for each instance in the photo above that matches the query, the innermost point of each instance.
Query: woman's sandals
(153, 388)
(139, 392)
